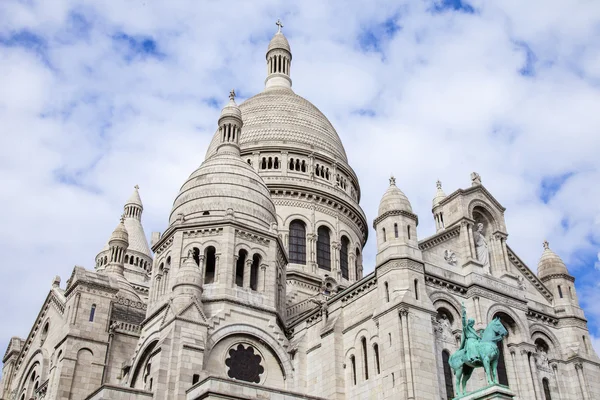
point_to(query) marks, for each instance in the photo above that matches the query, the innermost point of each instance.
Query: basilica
(256, 289)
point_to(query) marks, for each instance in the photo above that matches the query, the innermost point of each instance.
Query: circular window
(244, 364)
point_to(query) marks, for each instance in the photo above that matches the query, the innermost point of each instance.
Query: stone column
(202, 267)
(581, 379)
(477, 309)
(505, 254)
(262, 278)
(247, 270)
(534, 375)
(284, 162)
(407, 361)
(256, 160)
(217, 269)
(351, 269)
(234, 275)
(557, 381)
(464, 234)
(335, 260)
(471, 240)
(528, 389)
(516, 372)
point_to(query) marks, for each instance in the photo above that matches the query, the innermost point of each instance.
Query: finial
(279, 25)
(232, 95)
(136, 187)
(122, 218)
(438, 184)
(546, 245)
(475, 179)
(392, 180)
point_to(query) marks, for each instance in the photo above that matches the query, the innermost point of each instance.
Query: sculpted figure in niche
(444, 326)
(481, 246)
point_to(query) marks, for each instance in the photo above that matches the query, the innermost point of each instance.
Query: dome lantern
(279, 60)
(230, 125)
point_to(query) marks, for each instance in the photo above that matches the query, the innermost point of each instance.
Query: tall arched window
(344, 256)
(502, 375)
(546, 385)
(210, 263)
(396, 231)
(408, 231)
(365, 359)
(356, 270)
(416, 289)
(383, 233)
(387, 292)
(560, 292)
(447, 375)
(323, 248)
(376, 354)
(239, 267)
(92, 312)
(297, 242)
(254, 272)
(353, 362)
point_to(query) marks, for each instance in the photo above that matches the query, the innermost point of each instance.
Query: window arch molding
(324, 236)
(140, 364)
(516, 331)
(297, 247)
(37, 361)
(481, 207)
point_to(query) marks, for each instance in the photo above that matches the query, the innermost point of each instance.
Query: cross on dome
(232, 94)
(122, 218)
(136, 187)
(438, 184)
(392, 180)
(546, 245)
(279, 25)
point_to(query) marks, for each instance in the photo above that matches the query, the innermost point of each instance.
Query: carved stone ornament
(450, 257)
(244, 364)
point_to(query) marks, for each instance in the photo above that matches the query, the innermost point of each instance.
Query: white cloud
(445, 90)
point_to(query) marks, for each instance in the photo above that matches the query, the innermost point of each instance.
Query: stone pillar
(557, 381)
(256, 160)
(284, 162)
(351, 269)
(471, 240)
(247, 270)
(217, 269)
(477, 309)
(202, 267)
(262, 278)
(407, 360)
(505, 254)
(527, 388)
(234, 274)
(581, 379)
(513, 359)
(335, 262)
(534, 376)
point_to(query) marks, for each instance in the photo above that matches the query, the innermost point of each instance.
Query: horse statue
(476, 352)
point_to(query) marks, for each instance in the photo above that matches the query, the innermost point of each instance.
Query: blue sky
(98, 97)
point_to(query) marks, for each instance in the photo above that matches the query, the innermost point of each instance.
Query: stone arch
(538, 331)
(249, 330)
(520, 333)
(190, 246)
(439, 297)
(329, 225)
(38, 357)
(363, 332)
(291, 217)
(349, 352)
(143, 356)
(478, 205)
(242, 246)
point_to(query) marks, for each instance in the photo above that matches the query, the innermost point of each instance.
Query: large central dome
(279, 116)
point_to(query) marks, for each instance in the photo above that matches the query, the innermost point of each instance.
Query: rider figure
(470, 338)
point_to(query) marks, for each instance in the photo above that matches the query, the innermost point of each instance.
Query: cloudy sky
(96, 97)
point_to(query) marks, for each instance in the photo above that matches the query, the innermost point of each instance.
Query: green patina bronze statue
(477, 351)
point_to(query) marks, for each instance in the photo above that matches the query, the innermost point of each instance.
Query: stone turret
(438, 214)
(279, 61)
(553, 272)
(396, 226)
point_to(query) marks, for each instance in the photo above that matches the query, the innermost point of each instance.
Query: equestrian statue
(477, 351)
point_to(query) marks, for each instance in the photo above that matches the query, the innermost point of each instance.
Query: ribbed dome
(439, 194)
(279, 41)
(120, 233)
(394, 200)
(279, 117)
(550, 263)
(221, 183)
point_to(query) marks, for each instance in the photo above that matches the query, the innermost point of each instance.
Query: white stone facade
(256, 290)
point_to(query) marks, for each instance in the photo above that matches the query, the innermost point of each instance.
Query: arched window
(416, 289)
(396, 231)
(447, 375)
(376, 354)
(297, 242)
(383, 234)
(356, 264)
(263, 165)
(303, 167)
(44, 333)
(291, 166)
(408, 231)
(344, 256)
(502, 375)
(126, 259)
(365, 359)
(196, 255)
(353, 363)
(323, 248)
(131, 260)
(254, 272)
(92, 312)
(276, 163)
(210, 261)
(546, 385)
(560, 292)
(387, 292)
(270, 163)
(239, 267)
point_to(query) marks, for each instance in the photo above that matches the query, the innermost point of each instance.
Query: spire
(230, 126)
(439, 194)
(279, 61)
(117, 245)
(133, 205)
(550, 264)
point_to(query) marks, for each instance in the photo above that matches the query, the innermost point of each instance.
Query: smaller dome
(189, 274)
(120, 233)
(231, 109)
(439, 194)
(394, 200)
(550, 263)
(279, 41)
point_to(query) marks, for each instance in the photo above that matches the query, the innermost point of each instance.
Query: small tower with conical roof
(438, 214)
(117, 245)
(279, 61)
(553, 272)
(396, 226)
(230, 127)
